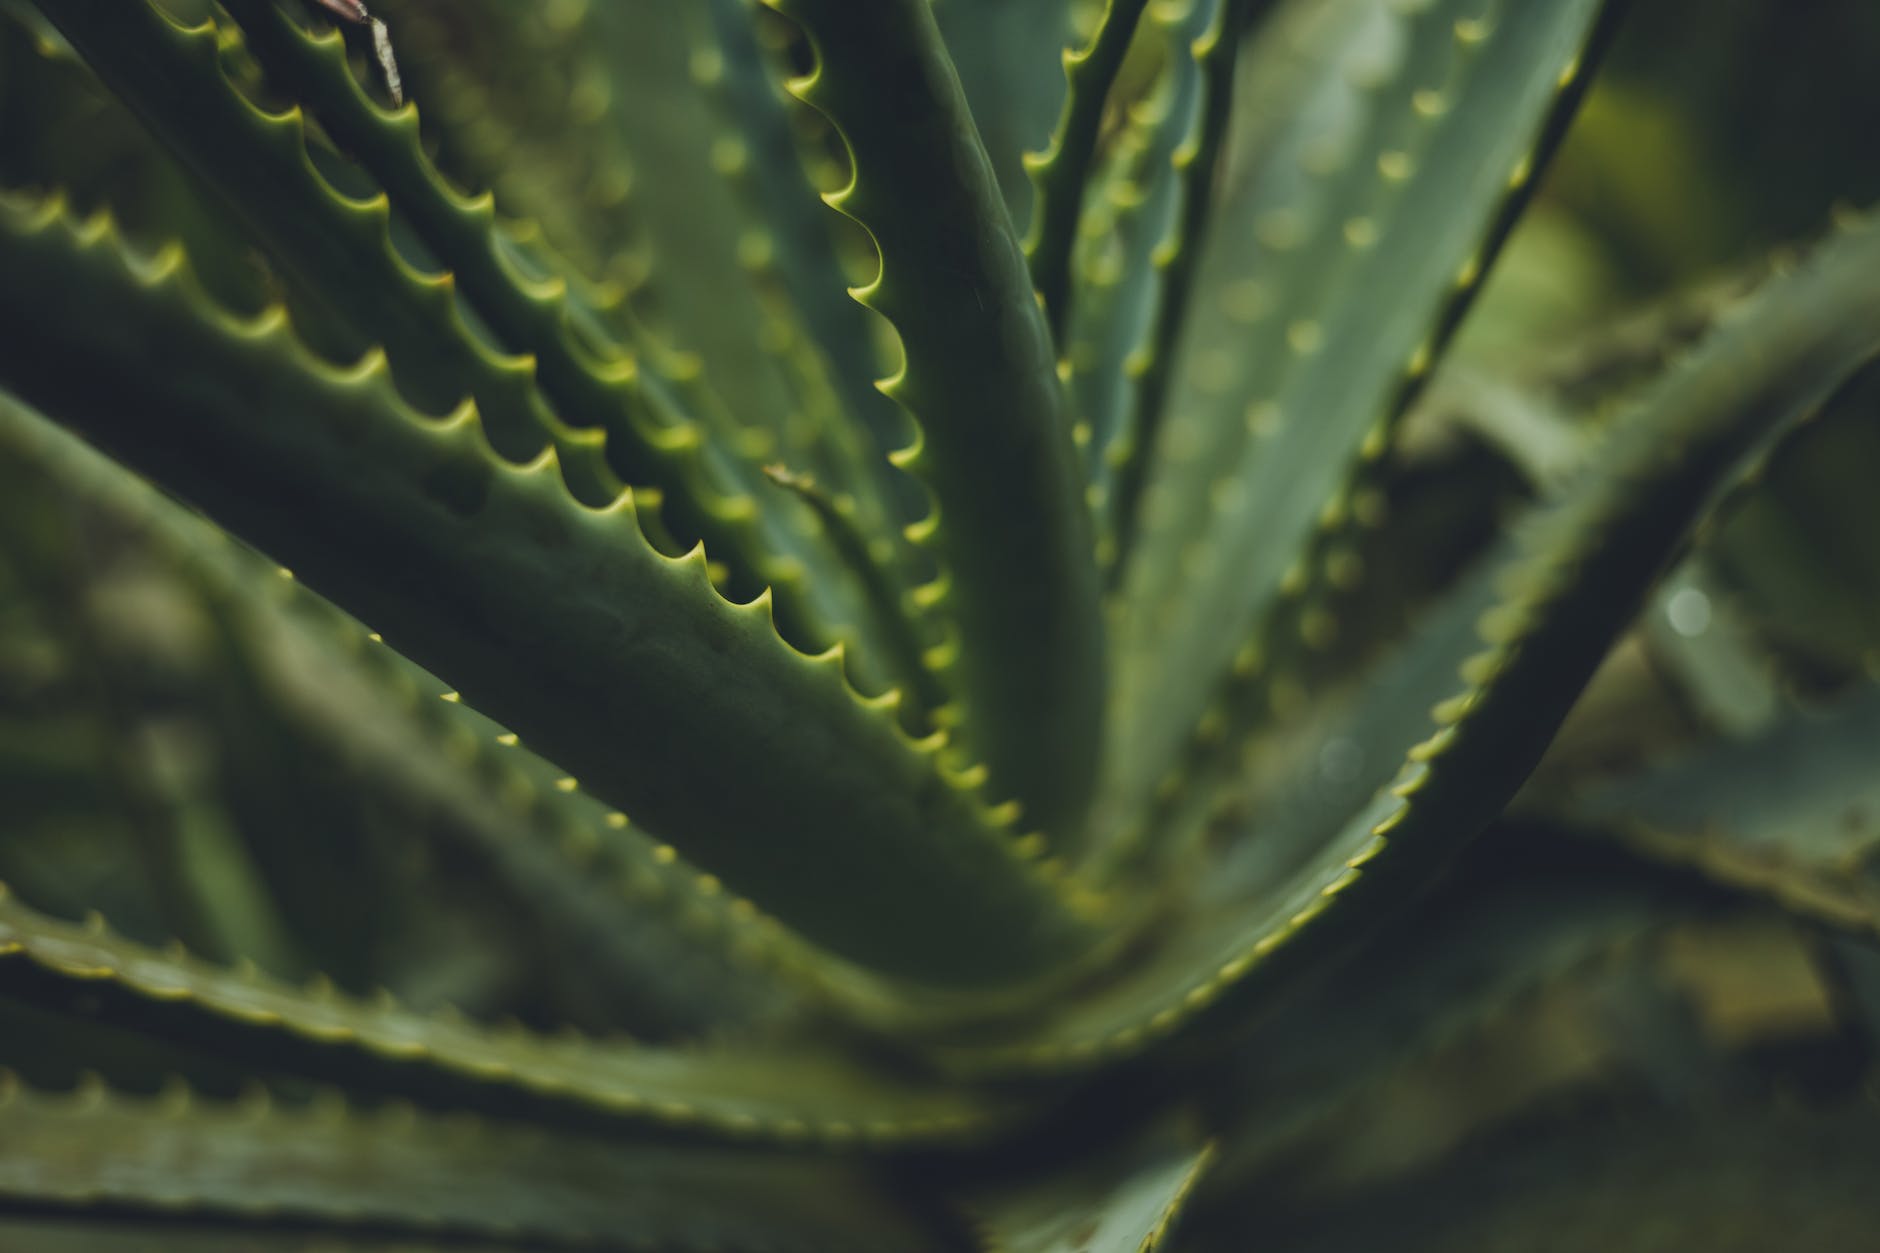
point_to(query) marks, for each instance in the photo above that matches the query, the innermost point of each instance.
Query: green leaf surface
(1800, 558)
(1792, 811)
(1515, 917)
(1061, 173)
(1135, 235)
(1580, 568)
(783, 1093)
(651, 927)
(1217, 53)
(518, 101)
(59, 127)
(1335, 287)
(396, 1169)
(116, 1234)
(716, 286)
(1735, 1179)
(544, 381)
(808, 258)
(1008, 55)
(555, 619)
(1124, 1200)
(1698, 637)
(1010, 526)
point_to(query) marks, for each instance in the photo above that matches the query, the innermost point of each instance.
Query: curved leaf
(1792, 811)
(1337, 281)
(557, 620)
(1011, 528)
(341, 250)
(1580, 569)
(330, 1165)
(1736, 1179)
(1008, 55)
(687, 954)
(784, 1094)
(1126, 1200)
(1061, 173)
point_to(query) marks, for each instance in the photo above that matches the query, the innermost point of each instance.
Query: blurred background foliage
(1718, 134)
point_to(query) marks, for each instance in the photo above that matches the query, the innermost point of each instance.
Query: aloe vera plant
(513, 739)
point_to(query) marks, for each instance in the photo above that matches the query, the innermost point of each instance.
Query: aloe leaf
(83, 706)
(557, 620)
(1217, 54)
(1125, 1200)
(716, 192)
(1010, 527)
(1293, 88)
(1694, 634)
(718, 173)
(903, 637)
(333, 1165)
(115, 1234)
(1799, 558)
(1130, 231)
(1275, 411)
(60, 128)
(1509, 923)
(1062, 171)
(1792, 812)
(1581, 566)
(341, 250)
(808, 259)
(523, 107)
(713, 286)
(782, 1093)
(690, 953)
(1738, 1178)
(536, 319)
(1698, 637)
(743, 300)
(1009, 60)
(338, 246)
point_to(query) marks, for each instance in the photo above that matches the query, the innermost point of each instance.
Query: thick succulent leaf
(1734, 1179)
(1010, 526)
(1404, 187)
(1119, 262)
(819, 580)
(1800, 558)
(609, 659)
(717, 284)
(1217, 53)
(1515, 918)
(1643, 1025)
(1793, 811)
(684, 953)
(173, 78)
(746, 280)
(1008, 55)
(784, 1093)
(1061, 173)
(1125, 1199)
(1699, 639)
(808, 259)
(1580, 569)
(523, 108)
(397, 1169)
(671, 130)
(60, 128)
(116, 1234)
(1692, 632)
(340, 249)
